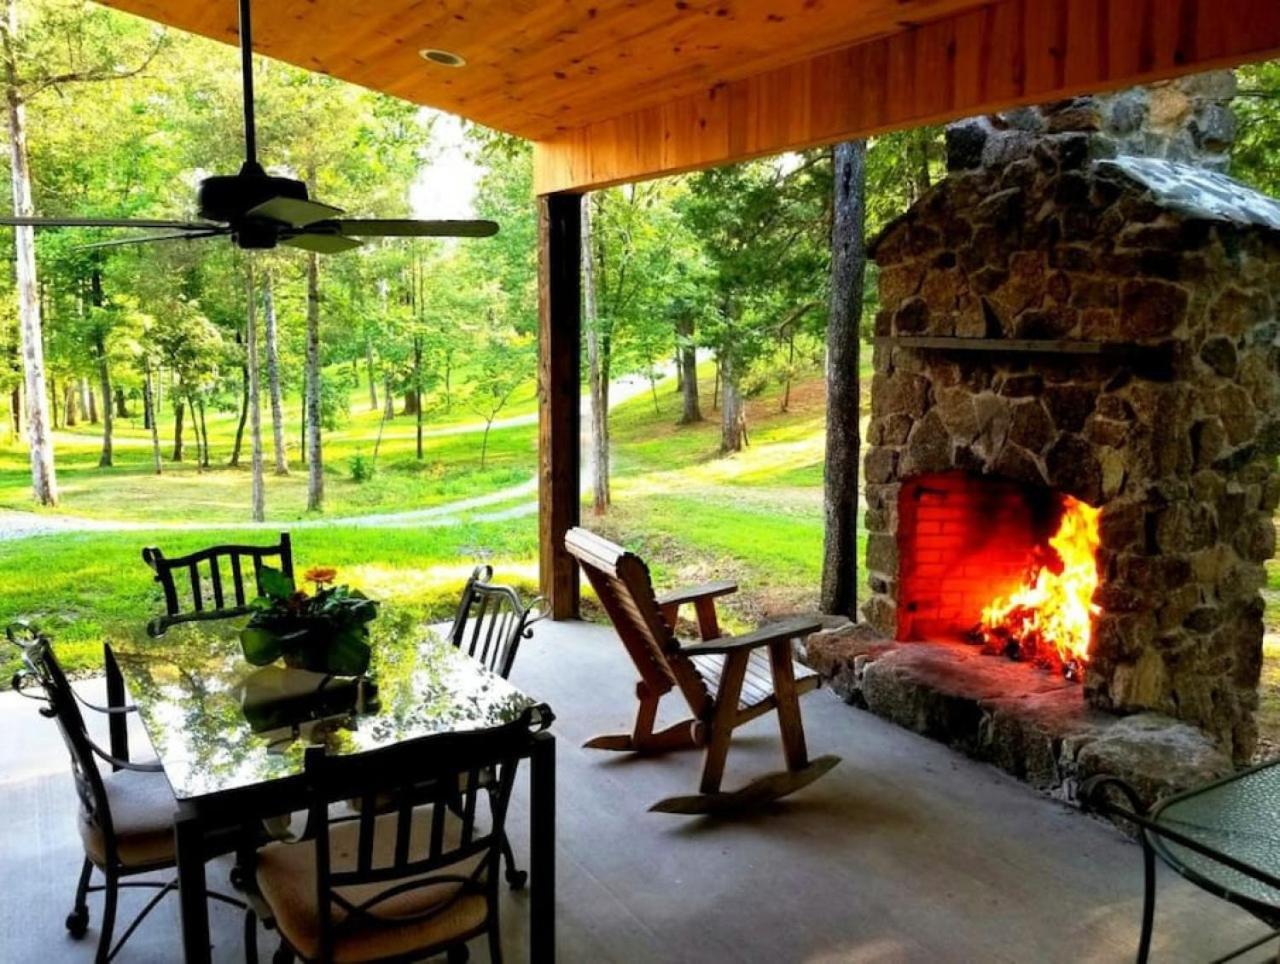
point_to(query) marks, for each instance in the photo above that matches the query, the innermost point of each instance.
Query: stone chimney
(1188, 120)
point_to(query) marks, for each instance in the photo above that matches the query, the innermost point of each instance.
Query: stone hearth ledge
(1024, 720)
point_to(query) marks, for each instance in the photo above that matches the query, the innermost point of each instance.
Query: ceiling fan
(259, 211)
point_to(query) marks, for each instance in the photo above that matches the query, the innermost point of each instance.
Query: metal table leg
(542, 848)
(189, 843)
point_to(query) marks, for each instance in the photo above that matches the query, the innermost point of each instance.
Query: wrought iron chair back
(455, 844)
(207, 591)
(492, 620)
(42, 667)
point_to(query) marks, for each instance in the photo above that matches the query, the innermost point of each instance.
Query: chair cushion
(758, 684)
(142, 808)
(287, 882)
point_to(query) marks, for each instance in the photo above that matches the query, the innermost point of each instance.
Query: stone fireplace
(1066, 329)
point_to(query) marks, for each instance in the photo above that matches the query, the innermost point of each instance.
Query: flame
(1050, 619)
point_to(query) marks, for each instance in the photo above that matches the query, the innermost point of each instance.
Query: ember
(1050, 619)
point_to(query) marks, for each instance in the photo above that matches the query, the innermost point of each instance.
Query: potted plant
(326, 631)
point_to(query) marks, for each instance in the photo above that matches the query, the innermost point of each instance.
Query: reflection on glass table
(219, 723)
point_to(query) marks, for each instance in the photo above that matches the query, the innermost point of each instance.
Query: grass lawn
(83, 587)
(756, 516)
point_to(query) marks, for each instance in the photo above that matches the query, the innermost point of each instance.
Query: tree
(502, 363)
(61, 44)
(840, 470)
(763, 228)
(273, 376)
(258, 491)
(1257, 147)
(315, 454)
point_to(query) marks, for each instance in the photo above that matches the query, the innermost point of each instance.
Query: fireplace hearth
(1075, 418)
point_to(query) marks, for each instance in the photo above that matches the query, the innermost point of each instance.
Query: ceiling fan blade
(107, 223)
(409, 228)
(320, 243)
(293, 212)
(146, 238)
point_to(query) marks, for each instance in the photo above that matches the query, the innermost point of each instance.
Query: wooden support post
(559, 396)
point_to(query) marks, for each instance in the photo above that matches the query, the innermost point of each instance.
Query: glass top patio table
(220, 724)
(1238, 816)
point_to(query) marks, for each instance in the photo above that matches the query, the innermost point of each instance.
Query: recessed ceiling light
(444, 58)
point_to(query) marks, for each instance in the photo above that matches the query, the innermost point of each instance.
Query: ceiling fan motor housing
(227, 198)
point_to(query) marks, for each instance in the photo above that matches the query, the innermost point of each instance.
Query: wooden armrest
(787, 629)
(708, 590)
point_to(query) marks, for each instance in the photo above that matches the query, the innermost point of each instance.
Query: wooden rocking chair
(726, 680)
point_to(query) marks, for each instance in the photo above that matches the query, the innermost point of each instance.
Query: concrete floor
(906, 852)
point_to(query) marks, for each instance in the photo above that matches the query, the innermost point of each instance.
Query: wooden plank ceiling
(538, 67)
(618, 90)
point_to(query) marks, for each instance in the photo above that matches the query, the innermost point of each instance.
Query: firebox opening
(1002, 564)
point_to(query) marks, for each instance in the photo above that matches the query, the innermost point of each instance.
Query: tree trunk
(244, 414)
(302, 427)
(839, 592)
(179, 411)
(204, 436)
(688, 368)
(257, 491)
(417, 391)
(791, 368)
(53, 399)
(149, 417)
(597, 371)
(368, 365)
(410, 401)
(715, 387)
(91, 402)
(448, 380)
(15, 410)
(122, 407)
(104, 374)
(315, 461)
(733, 434)
(44, 483)
(195, 428)
(273, 377)
(108, 423)
(388, 398)
(484, 443)
(69, 416)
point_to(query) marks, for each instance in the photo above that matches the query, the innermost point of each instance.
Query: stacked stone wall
(1173, 428)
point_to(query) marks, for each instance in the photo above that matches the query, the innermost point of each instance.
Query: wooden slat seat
(757, 686)
(726, 680)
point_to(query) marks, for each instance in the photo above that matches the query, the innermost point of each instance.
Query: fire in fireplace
(1049, 619)
(1004, 564)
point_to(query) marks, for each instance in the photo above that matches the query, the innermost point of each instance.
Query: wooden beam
(1003, 54)
(559, 396)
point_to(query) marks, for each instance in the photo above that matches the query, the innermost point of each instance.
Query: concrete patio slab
(906, 852)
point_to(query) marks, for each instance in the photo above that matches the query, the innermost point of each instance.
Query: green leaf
(275, 584)
(261, 646)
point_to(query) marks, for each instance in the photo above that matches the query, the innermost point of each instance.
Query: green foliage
(361, 468)
(1256, 156)
(326, 631)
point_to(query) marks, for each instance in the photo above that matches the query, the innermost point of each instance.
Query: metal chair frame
(1154, 837)
(443, 772)
(490, 623)
(212, 559)
(62, 704)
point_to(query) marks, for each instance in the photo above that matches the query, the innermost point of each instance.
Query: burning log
(1049, 621)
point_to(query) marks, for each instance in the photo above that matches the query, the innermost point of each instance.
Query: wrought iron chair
(491, 621)
(489, 625)
(1219, 836)
(126, 815)
(211, 599)
(413, 871)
